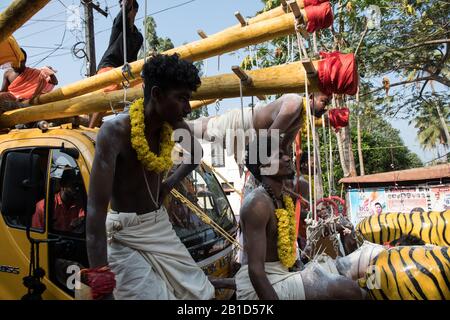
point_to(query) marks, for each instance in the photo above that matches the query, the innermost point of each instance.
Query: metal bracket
(202, 34)
(300, 23)
(309, 67)
(127, 75)
(245, 78)
(241, 19)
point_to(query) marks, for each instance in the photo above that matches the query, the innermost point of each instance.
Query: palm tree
(433, 123)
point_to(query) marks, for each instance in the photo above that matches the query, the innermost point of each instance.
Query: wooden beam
(281, 79)
(16, 14)
(213, 45)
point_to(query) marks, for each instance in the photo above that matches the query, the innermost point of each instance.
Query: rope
(331, 177)
(124, 30)
(145, 32)
(326, 154)
(126, 69)
(313, 124)
(302, 50)
(205, 218)
(242, 103)
(223, 178)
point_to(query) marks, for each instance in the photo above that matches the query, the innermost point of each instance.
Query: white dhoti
(149, 260)
(287, 285)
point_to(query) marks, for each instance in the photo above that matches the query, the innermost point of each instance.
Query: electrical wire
(154, 13)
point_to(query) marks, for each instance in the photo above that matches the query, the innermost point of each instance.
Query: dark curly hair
(169, 72)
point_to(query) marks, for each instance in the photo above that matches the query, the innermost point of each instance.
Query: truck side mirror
(20, 184)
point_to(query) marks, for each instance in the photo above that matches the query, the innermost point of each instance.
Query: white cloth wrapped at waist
(287, 285)
(149, 260)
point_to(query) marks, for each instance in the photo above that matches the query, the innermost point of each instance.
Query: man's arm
(117, 26)
(187, 166)
(288, 118)
(100, 190)
(255, 215)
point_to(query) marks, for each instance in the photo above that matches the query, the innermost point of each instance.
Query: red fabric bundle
(101, 281)
(319, 17)
(307, 3)
(338, 73)
(339, 118)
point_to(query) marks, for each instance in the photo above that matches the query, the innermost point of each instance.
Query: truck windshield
(204, 191)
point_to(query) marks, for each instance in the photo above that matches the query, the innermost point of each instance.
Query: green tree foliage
(402, 49)
(158, 44)
(428, 122)
(153, 42)
(382, 147)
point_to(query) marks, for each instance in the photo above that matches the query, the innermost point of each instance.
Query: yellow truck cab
(32, 163)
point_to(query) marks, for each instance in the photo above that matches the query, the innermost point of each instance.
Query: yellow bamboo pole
(200, 103)
(288, 78)
(16, 14)
(270, 14)
(211, 46)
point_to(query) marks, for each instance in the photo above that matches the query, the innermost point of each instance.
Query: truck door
(59, 213)
(66, 220)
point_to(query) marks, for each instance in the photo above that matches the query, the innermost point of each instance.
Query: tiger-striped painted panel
(410, 273)
(432, 227)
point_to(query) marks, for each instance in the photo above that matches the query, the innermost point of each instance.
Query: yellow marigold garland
(286, 232)
(151, 161)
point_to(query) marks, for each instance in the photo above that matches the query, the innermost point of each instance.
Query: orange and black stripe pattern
(432, 227)
(410, 273)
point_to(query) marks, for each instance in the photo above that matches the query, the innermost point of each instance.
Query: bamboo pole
(195, 104)
(16, 14)
(274, 13)
(288, 78)
(198, 50)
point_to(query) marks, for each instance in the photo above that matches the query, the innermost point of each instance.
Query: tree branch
(400, 84)
(362, 37)
(426, 43)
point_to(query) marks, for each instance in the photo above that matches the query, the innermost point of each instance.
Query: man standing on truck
(133, 151)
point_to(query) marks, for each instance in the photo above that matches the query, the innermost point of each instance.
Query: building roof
(416, 174)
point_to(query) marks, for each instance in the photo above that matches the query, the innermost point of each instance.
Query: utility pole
(91, 64)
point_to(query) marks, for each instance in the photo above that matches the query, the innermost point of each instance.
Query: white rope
(301, 48)
(331, 176)
(326, 153)
(124, 30)
(308, 142)
(313, 125)
(316, 51)
(145, 32)
(242, 103)
(125, 58)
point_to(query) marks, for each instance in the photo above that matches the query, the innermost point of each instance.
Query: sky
(48, 39)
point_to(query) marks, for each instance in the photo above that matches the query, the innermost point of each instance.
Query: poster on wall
(365, 202)
(407, 200)
(440, 198)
